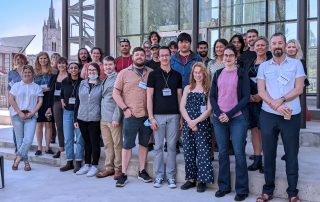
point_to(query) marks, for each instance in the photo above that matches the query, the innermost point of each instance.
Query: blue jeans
(70, 132)
(24, 132)
(236, 128)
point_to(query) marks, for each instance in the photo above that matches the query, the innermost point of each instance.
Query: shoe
(105, 173)
(144, 176)
(122, 180)
(172, 183)
(117, 174)
(38, 153)
(53, 141)
(257, 163)
(57, 155)
(27, 166)
(15, 164)
(150, 146)
(68, 166)
(220, 193)
(283, 158)
(83, 170)
(240, 197)
(93, 171)
(188, 185)
(49, 151)
(201, 187)
(157, 182)
(251, 157)
(77, 166)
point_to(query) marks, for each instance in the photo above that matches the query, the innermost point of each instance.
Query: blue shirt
(13, 77)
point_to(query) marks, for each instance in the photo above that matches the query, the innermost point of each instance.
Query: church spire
(51, 21)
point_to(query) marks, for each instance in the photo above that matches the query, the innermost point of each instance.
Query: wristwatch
(283, 98)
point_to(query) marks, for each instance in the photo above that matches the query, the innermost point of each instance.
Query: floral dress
(197, 145)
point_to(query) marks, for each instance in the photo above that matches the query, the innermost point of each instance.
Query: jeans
(236, 128)
(24, 132)
(69, 132)
(289, 129)
(168, 129)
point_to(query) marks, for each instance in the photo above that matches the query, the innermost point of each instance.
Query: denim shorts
(133, 126)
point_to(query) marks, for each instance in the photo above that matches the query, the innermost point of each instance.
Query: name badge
(283, 79)
(203, 109)
(72, 100)
(166, 92)
(44, 85)
(254, 79)
(11, 83)
(57, 92)
(142, 85)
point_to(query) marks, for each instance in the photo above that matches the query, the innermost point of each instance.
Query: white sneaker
(172, 183)
(93, 171)
(83, 170)
(157, 182)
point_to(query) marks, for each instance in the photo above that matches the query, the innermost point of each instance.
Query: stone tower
(51, 33)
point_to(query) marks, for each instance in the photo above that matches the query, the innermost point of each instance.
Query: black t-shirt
(157, 80)
(152, 64)
(69, 89)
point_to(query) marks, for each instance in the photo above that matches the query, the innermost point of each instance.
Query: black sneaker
(188, 185)
(240, 197)
(49, 151)
(201, 187)
(220, 193)
(144, 176)
(122, 180)
(38, 153)
(57, 155)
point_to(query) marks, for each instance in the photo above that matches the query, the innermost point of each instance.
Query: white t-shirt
(26, 96)
(280, 80)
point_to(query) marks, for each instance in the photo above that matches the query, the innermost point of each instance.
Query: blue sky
(26, 17)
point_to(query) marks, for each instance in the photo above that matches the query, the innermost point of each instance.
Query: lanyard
(166, 79)
(138, 73)
(74, 84)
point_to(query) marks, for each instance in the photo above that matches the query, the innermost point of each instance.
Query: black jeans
(90, 132)
(271, 125)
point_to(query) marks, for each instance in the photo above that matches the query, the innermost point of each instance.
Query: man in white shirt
(280, 82)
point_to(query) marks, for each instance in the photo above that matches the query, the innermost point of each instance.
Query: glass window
(228, 32)
(289, 29)
(185, 14)
(209, 13)
(312, 8)
(282, 10)
(312, 56)
(135, 41)
(213, 36)
(160, 15)
(128, 17)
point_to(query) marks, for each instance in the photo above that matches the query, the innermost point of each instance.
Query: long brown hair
(206, 77)
(37, 65)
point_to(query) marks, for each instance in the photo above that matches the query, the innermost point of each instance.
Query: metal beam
(302, 37)
(318, 57)
(195, 25)
(102, 25)
(64, 29)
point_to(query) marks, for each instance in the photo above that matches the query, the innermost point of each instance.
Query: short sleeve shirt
(280, 80)
(26, 96)
(134, 97)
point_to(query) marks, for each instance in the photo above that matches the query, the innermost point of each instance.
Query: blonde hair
(37, 65)
(21, 56)
(299, 54)
(206, 78)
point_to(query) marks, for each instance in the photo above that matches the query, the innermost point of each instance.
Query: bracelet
(283, 98)
(124, 109)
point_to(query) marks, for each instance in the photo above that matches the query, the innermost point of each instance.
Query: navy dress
(197, 145)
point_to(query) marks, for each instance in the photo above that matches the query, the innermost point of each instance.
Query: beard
(278, 52)
(138, 64)
(203, 54)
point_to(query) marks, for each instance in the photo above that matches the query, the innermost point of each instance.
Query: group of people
(162, 94)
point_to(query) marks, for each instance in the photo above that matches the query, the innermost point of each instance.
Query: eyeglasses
(92, 70)
(228, 56)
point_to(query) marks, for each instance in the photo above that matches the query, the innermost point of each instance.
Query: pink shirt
(227, 90)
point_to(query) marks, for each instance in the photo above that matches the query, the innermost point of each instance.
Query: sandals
(15, 164)
(27, 166)
(294, 199)
(264, 198)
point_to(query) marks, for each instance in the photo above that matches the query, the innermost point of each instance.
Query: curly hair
(206, 77)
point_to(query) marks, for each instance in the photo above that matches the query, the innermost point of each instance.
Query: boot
(78, 166)
(68, 166)
(257, 163)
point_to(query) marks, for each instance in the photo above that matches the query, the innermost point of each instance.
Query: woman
(238, 42)
(96, 55)
(43, 79)
(261, 48)
(54, 62)
(195, 108)
(229, 98)
(154, 37)
(217, 62)
(25, 100)
(69, 88)
(88, 115)
(55, 91)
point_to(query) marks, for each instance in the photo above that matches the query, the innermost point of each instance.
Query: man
(173, 46)
(251, 36)
(131, 96)
(83, 57)
(146, 46)
(280, 82)
(184, 59)
(202, 50)
(154, 63)
(110, 123)
(125, 59)
(163, 97)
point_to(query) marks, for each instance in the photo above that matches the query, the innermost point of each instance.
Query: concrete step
(309, 181)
